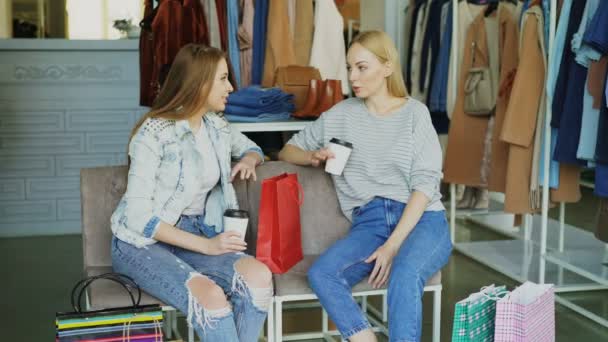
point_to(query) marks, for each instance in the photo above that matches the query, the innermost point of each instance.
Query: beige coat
(466, 138)
(303, 32)
(508, 51)
(279, 42)
(520, 124)
(520, 119)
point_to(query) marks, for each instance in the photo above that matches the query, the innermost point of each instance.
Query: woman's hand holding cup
(318, 157)
(227, 242)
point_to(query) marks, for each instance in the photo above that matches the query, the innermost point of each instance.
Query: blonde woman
(389, 189)
(168, 232)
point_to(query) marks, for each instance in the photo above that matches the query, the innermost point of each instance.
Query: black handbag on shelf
(134, 323)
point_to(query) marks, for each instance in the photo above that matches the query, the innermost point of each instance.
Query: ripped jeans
(163, 270)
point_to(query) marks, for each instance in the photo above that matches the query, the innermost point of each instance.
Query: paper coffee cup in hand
(236, 221)
(341, 150)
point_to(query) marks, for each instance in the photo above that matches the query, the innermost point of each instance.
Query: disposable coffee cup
(236, 221)
(341, 150)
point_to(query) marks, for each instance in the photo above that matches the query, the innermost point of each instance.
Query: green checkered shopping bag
(474, 316)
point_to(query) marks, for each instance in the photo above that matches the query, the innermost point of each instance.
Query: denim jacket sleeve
(145, 156)
(241, 145)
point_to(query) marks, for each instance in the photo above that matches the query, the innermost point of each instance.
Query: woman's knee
(255, 273)
(207, 292)
(255, 278)
(405, 275)
(317, 274)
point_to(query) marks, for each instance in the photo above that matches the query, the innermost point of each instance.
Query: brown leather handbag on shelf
(322, 95)
(295, 79)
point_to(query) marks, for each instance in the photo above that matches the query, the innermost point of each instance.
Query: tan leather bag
(481, 85)
(295, 79)
(479, 92)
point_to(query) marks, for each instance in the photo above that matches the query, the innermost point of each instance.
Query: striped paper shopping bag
(526, 315)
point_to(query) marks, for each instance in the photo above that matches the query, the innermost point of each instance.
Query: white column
(6, 19)
(41, 19)
(547, 128)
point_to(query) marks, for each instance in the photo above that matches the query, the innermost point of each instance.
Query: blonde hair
(382, 46)
(187, 86)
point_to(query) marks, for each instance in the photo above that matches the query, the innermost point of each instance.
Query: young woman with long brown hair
(168, 230)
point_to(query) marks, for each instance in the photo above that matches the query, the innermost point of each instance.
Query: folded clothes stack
(256, 104)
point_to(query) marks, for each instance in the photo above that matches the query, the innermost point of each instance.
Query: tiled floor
(37, 275)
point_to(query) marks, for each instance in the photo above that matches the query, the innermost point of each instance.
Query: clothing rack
(573, 266)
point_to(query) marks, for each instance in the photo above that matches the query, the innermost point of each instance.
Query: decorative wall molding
(64, 106)
(67, 73)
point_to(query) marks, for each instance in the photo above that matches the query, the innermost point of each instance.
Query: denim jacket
(163, 176)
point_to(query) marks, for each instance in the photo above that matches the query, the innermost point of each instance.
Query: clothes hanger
(146, 22)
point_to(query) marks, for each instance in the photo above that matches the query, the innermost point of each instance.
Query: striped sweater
(393, 155)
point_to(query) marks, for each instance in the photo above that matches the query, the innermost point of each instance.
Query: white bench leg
(270, 323)
(325, 322)
(278, 320)
(436, 315)
(190, 334)
(364, 304)
(384, 307)
(168, 324)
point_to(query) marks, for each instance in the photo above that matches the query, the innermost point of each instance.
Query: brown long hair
(381, 45)
(187, 86)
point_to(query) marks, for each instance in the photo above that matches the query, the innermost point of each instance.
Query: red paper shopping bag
(279, 244)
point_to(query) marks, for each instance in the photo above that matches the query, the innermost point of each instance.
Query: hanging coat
(166, 29)
(466, 137)
(520, 121)
(279, 42)
(508, 40)
(196, 23)
(146, 57)
(222, 20)
(302, 36)
(328, 53)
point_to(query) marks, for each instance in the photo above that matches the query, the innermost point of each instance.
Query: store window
(70, 19)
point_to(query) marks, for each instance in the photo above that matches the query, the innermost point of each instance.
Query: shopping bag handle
(123, 280)
(497, 296)
(299, 193)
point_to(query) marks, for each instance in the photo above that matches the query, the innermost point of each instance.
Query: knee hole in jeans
(207, 292)
(207, 302)
(254, 272)
(254, 278)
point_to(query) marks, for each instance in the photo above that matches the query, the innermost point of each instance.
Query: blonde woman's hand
(383, 258)
(319, 157)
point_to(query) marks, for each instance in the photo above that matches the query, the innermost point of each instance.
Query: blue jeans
(423, 253)
(163, 270)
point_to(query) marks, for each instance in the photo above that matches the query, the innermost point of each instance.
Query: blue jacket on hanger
(568, 97)
(590, 116)
(552, 75)
(260, 20)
